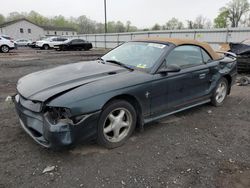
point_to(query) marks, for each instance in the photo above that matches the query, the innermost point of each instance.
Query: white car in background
(48, 43)
(6, 45)
(23, 42)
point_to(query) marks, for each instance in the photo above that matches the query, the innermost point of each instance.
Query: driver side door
(173, 91)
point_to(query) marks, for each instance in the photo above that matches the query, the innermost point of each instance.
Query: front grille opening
(35, 132)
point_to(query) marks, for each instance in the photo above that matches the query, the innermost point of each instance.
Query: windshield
(142, 55)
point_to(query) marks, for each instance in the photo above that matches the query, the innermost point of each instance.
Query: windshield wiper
(120, 64)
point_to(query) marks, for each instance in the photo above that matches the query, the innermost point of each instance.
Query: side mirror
(170, 68)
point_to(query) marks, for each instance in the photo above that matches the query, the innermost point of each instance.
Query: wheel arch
(134, 102)
(229, 81)
(45, 44)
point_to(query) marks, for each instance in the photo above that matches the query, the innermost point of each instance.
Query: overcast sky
(142, 13)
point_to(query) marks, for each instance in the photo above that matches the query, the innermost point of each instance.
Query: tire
(5, 49)
(116, 124)
(45, 46)
(220, 93)
(244, 81)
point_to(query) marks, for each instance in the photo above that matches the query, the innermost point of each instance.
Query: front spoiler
(60, 135)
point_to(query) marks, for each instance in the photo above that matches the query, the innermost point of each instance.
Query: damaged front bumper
(57, 135)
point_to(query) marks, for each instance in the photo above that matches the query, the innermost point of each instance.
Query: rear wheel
(116, 124)
(5, 49)
(220, 93)
(45, 46)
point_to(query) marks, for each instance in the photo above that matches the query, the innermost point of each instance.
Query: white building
(25, 29)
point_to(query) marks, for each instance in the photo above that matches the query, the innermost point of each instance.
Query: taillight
(12, 41)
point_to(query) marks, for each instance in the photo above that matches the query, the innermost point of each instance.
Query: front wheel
(116, 124)
(5, 49)
(220, 93)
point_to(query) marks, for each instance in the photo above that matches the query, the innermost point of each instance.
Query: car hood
(41, 86)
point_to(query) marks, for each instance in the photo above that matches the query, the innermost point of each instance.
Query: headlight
(57, 114)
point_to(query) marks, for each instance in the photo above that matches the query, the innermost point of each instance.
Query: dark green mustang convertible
(134, 84)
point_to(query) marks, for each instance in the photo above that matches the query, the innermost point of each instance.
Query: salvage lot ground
(201, 147)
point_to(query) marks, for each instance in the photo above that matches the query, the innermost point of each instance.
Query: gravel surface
(201, 147)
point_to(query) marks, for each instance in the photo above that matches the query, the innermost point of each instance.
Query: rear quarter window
(206, 56)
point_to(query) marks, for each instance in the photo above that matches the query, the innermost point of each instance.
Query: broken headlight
(57, 114)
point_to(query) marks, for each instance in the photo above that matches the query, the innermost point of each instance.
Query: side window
(185, 56)
(74, 42)
(205, 55)
(62, 39)
(80, 41)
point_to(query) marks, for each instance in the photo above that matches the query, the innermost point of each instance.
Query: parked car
(48, 43)
(134, 84)
(6, 45)
(74, 44)
(9, 38)
(23, 42)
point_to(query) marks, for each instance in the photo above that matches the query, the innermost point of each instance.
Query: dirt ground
(201, 147)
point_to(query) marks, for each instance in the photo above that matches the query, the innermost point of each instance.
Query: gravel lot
(201, 147)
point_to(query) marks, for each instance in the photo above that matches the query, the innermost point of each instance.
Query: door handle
(202, 76)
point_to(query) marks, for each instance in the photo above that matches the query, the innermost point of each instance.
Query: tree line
(233, 14)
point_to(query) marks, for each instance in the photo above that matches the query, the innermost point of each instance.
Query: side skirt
(148, 120)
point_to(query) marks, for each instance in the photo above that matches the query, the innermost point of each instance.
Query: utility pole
(105, 11)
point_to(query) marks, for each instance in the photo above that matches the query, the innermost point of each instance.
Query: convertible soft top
(179, 42)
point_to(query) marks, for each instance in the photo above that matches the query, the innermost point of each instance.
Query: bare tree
(199, 22)
(236, 9)
(190, 24)
(128, 24)
(245, 22)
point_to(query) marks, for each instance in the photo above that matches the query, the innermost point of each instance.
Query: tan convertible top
(179, 42)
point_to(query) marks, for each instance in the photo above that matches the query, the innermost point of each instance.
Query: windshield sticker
(142, 66)
(161, 46)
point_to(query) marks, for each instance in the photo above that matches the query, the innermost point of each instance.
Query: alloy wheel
(5, 49)
(221, 92)
(117, 125)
